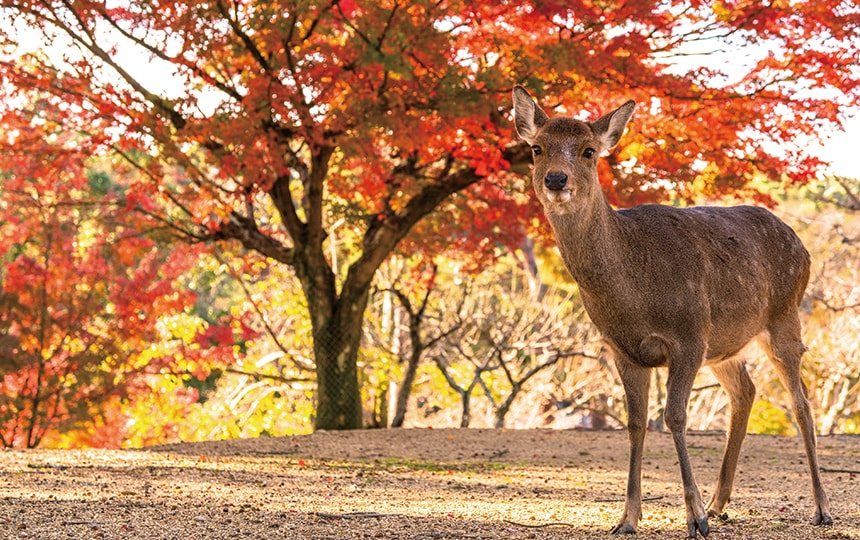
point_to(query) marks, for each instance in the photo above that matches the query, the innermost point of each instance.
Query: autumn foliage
(85, 299)
(364, 128)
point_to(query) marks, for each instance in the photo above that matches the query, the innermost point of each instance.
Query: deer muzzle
(555, 181)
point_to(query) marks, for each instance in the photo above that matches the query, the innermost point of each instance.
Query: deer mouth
(558, 196)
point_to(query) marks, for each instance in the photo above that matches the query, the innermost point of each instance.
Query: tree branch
(245, 38)
(221, 85)
(282, 198)
(258, 376)
(90, 44)
(383, 235)
(245, 230)
(831, 307)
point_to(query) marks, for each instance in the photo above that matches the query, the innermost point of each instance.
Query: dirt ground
(415, 484)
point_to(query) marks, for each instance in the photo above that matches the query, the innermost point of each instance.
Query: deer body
(667, 264)
(675, 288)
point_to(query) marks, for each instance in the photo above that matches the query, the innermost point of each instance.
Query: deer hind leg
(679, 383)
(734, 378)
(785, 349)
(636, 381)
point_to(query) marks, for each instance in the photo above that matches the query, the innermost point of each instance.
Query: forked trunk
(337, 328)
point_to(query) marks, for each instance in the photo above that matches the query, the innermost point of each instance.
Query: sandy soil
(414, 484)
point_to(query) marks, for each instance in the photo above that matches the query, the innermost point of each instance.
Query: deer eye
(537, 150)
(588, 153)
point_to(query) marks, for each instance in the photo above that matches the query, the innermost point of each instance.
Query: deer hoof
(822, 518)
(724, 517)
(701, 526)
(624, 528)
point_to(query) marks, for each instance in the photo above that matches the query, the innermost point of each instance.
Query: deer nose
(555, 181)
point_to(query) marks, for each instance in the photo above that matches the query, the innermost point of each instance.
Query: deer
(677, 288)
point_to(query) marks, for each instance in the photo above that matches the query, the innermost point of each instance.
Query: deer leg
(785, 349)
(682, 373)
(636, 381)
(733, 377)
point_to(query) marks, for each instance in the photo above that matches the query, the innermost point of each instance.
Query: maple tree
(284, 126)
(77, 282)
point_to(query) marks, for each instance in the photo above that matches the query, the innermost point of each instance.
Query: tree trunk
(337, 338)
(417, 351)
(338, 399)
(503, 409)
(405, 389)
(466, 418)
(337, 318)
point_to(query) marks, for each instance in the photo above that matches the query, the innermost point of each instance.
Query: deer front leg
(678, 386)
(636, 381)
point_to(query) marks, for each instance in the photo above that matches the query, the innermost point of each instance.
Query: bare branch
(258, 376)
(831, 307)
(263, 319)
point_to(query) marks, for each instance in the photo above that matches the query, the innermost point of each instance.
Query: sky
(843, 149)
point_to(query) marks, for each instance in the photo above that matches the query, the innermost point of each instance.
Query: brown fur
(672, 287)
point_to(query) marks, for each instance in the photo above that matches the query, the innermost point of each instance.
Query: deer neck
(591, 245)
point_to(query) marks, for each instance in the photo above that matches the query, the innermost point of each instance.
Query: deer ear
(528, 117)
(610, 127)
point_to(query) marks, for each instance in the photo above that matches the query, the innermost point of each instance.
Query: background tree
(833, 322)
(85, 296)
(407, 333)
(507, 333)
(279, 121)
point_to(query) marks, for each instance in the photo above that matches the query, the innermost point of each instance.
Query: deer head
(566, 151)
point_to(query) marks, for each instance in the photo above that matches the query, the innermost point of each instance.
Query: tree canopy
(285, 126)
